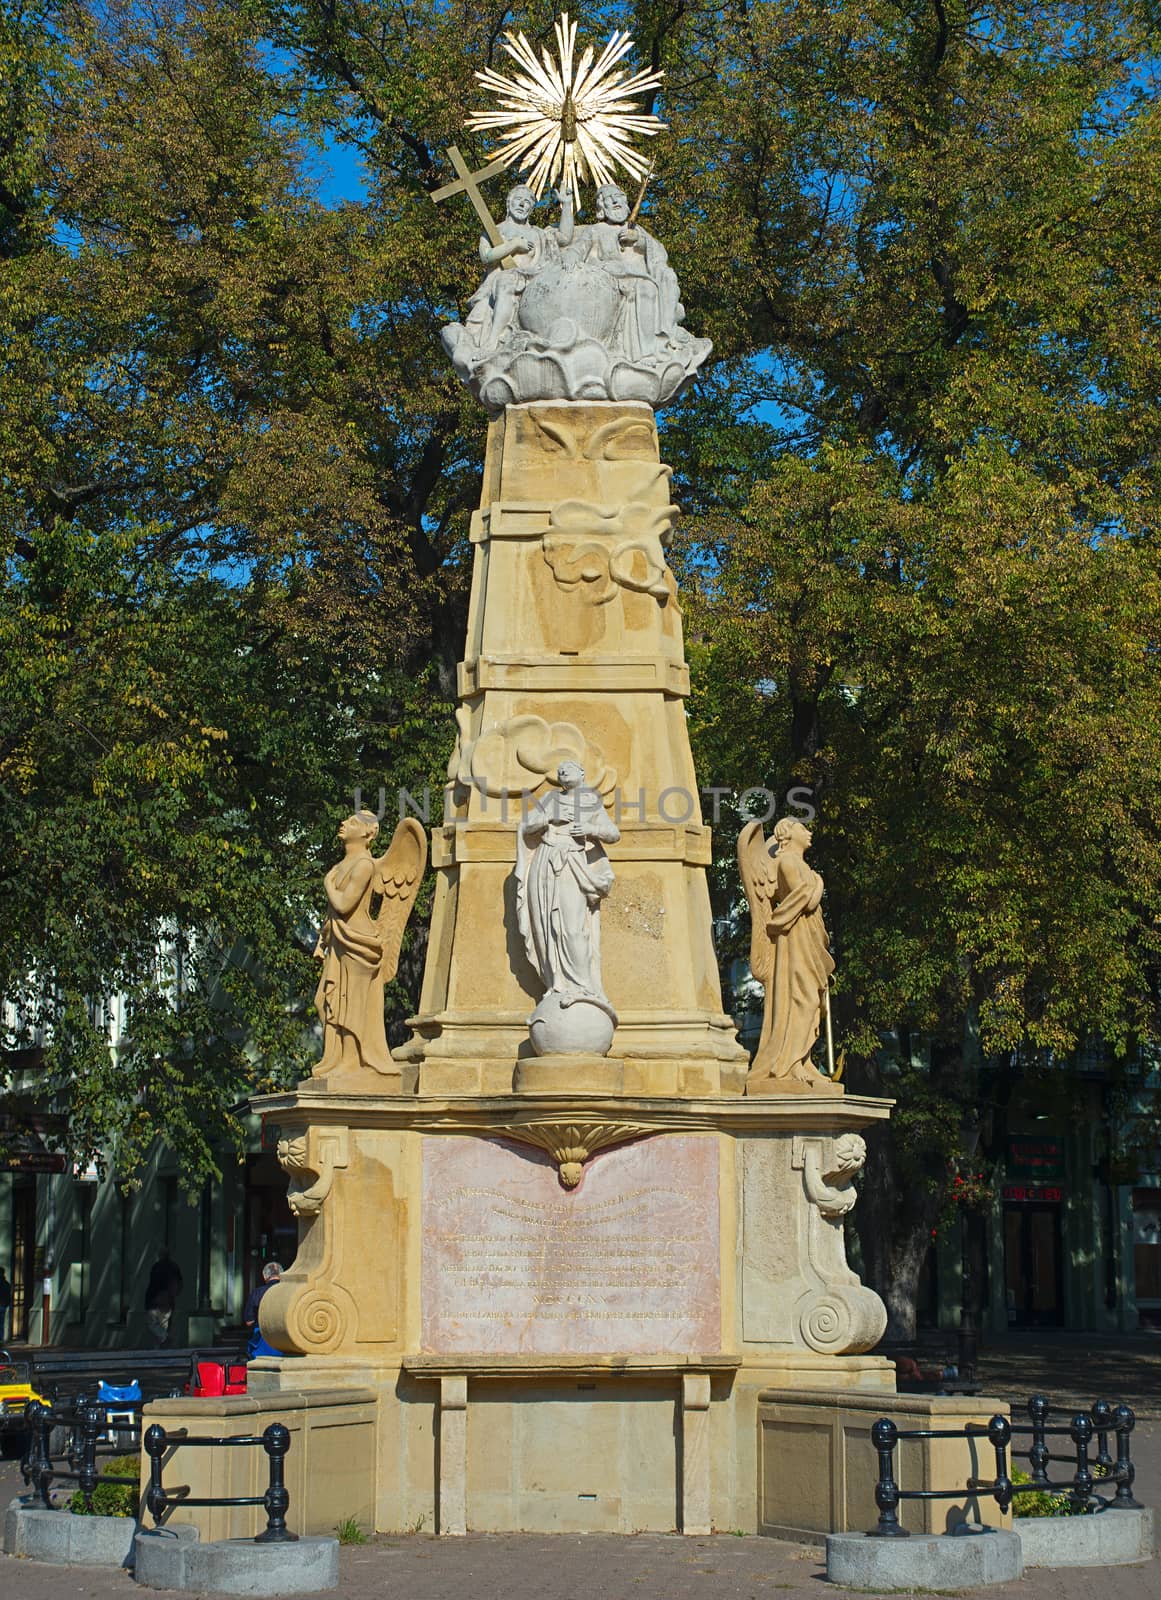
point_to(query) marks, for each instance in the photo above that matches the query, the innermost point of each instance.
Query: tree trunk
(895, 1223)
(900, 1289)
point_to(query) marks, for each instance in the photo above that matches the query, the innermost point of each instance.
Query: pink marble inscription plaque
(628, 1261)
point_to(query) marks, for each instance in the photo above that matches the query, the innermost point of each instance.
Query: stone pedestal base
(235, 1566)
(1110, 1538)
(330, 1467)
(599, 1444)
(569, 1075)
(940, 1562)
(565, 1306)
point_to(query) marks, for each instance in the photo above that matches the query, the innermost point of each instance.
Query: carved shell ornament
(572, 1144)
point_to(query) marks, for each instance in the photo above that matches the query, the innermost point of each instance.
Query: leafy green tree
(222, 529)
(938, 605)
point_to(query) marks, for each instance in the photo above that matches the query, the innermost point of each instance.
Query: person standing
(161, 1294)
(5, 1304)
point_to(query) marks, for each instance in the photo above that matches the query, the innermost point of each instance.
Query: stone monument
(558, 1236)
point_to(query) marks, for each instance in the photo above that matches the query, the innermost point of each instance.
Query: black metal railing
(275, 1440)
(94, 1429)
(1083, 1487)
(885, 1435)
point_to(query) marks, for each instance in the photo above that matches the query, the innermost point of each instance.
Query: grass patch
(112, 1499)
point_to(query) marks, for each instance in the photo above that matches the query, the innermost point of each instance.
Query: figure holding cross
(513, 254)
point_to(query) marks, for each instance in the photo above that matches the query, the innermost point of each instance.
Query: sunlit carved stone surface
(627, 1261)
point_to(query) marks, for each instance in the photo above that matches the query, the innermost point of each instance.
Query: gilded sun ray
(571, 120)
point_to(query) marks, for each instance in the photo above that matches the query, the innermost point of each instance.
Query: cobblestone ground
(1076, 1368)
(725, 1567)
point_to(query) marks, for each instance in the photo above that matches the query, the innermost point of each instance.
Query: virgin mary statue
(562, 875)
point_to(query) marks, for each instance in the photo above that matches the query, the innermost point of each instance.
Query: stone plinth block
(235, 1566)
(586, 1301)
(550, 1074)
(625, 1261)
(1106, 1539)
(37, 1534)
(923, 1562)
(817, 1468)
(330, 1467)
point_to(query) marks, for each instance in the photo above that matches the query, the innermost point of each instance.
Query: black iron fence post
(884, 1437)
(999, 1436)
(1080, 1432)
(1102, 1421)
(156, 1499)
(1038, 1454)
(276, 1443)
(1124, 1422)
(88, 1473)
(36, 1468)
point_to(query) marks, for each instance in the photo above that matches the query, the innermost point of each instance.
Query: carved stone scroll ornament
(623, 438)
(571, 1144)
(310, 1160)
(598, 549)
(308, 1312)
(838, 1315)
(625, 445)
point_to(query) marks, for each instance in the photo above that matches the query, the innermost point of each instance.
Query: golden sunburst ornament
(569, 120)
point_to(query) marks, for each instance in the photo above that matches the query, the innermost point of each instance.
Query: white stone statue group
(574, 313)
(563, 873)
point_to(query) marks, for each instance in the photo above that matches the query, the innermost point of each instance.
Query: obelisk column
(574, 655)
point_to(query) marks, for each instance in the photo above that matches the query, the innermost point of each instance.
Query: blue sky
(341, 175)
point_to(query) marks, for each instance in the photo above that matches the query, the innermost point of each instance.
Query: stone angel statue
(789, 955)
(360, 951)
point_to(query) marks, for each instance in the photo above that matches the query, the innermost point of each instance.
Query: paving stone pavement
(724, 1567)
(528, 1567)
(1075, 1368)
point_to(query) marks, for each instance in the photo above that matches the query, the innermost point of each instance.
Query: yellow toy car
(15, 1393)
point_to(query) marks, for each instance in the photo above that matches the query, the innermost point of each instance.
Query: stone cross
(468, 183)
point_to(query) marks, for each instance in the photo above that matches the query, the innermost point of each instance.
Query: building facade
(78, 1247)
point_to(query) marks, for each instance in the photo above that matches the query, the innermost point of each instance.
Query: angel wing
(759, 877)
(398, 872)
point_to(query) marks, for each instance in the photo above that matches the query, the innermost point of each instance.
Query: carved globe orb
(581, 1028)
(564, 303)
